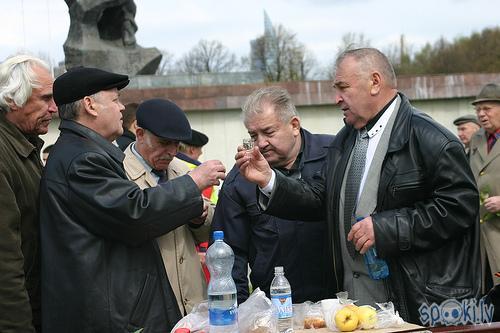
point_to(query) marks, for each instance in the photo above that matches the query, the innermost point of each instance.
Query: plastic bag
(257, 314)
(387, 316)
(313, 316)
(196, 320)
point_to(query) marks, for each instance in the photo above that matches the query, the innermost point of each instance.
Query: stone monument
(102, 34)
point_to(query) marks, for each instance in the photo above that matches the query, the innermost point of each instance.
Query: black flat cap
(80, 81)
(163, 118)
(489, 93)
(468, 118)
(198, 139)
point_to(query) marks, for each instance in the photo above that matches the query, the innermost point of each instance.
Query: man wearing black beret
(190, 151)
(102, 270)
(161, 124)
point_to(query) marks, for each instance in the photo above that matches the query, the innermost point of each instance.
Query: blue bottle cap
(219, 234)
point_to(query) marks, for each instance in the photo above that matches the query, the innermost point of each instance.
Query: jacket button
(356, 275)
(482, 173)
(181, 260)
(186, 301)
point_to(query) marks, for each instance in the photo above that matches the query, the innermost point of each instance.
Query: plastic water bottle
(222, 301)
(281, 296)
(377, 268)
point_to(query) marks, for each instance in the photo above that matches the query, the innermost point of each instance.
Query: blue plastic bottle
(222, 301)
(377, 268)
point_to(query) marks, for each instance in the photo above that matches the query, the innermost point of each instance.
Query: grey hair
(71, 111)
(370, 59)
(17, 79)
(273, 95)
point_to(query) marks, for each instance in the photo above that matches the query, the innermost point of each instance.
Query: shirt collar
(377, 124)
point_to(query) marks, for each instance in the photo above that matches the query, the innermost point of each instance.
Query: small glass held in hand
(248, 143)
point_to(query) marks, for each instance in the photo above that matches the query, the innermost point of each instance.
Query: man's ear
(89, 106)
(376, 83)
(139, 133)
(295, 122)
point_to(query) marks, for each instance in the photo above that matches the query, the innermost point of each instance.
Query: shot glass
(248, 143)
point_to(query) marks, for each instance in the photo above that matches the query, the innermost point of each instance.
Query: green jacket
(20, 172)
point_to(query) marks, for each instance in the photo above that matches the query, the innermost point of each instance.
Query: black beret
(468, 118)
(198, 139)
(163, 118)
(80, 81)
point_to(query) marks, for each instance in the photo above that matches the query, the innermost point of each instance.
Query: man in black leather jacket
(424, 219)
(101, 267)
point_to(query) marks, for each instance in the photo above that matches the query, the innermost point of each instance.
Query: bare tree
(350, 40)
(208, 57)
(280, 56)
(167, 63)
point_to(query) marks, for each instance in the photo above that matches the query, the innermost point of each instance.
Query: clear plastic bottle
(377, 268)
(281, 296)
(222, 301)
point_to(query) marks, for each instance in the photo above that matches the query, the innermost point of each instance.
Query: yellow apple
(367, 317)
(346, 319)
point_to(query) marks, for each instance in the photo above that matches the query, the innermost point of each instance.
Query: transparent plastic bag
(196, 320)
(313, 316)
(387, 316)
(257, 314)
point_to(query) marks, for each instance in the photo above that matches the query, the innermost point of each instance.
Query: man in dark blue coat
(262, 241)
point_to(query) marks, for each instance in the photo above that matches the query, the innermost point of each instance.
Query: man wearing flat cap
(102, 270)
(161, 124)
(485, 164)
(190, 151)
(467, 125)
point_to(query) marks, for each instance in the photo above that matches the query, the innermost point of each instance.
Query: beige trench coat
(177, 247)
(486, 169)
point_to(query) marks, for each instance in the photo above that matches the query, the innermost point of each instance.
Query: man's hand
(208, 174)
(253, 166)
(492, 204)
(203, 217)
(362, 235)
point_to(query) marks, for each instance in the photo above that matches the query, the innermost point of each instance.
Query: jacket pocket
(142, 304)
(440, 293)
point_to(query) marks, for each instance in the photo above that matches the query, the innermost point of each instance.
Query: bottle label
(283, 303)
(223, 317)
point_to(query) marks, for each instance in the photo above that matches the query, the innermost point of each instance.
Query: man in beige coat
(485, 164)
(150, 160)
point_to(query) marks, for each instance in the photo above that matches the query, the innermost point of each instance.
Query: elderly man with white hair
(26, 109)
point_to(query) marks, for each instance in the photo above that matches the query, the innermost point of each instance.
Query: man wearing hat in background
(190, 151)
(102, 270)
(150, 160)
(485, 164)
(466, 127)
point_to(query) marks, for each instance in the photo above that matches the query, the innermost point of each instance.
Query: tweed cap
(80, 81)
(198, 139)
(164, 119)
(468, 118)
(489, 93)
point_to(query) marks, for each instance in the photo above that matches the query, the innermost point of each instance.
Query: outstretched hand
(253, 166)
(208, 173)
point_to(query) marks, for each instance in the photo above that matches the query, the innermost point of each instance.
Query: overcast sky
(41, 26)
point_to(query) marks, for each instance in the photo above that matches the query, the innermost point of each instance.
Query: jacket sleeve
(296, 199)
(450, 209)
(116, 208)
(232, 217)
(15, 308)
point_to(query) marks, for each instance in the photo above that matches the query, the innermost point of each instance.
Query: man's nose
(338, 99)
(52, 106)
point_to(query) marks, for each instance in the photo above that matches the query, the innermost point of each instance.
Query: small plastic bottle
(377, 268)
(222, 301)
(281, 296)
